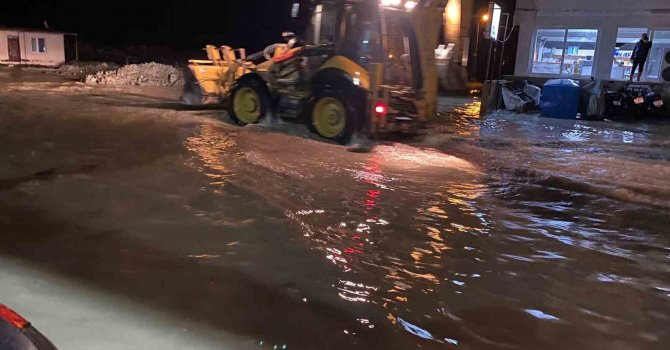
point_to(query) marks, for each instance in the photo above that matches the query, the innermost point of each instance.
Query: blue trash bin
(560, 99)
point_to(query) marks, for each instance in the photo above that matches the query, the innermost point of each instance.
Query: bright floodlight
(391, 2)
(410, 5)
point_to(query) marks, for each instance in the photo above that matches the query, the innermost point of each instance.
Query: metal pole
(384, 34)
(488, 61)
(476, 55)
(502, 52)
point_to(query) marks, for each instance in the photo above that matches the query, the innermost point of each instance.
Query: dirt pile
(82, 69)
(151, 74)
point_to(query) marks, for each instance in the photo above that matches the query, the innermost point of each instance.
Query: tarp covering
(593, 100)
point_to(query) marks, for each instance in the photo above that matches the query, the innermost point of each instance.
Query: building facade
(35, 47)
(595, 38)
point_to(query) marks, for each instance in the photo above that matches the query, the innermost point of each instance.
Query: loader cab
(367, 32)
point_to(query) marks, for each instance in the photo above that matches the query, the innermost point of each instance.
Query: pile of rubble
(151, 74)
(82, 69)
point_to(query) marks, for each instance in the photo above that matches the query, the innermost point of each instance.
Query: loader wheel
(249, 102)
(332, 116)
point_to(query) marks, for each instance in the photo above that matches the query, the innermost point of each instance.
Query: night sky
(180, 24)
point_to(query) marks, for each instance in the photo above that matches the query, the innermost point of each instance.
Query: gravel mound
(147, 74)
(82, 69)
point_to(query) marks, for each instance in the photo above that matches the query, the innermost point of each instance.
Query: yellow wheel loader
(368, 66)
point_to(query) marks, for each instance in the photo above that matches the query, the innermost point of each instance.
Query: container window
(39, 45)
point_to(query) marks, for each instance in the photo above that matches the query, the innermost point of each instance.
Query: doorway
(14, 49)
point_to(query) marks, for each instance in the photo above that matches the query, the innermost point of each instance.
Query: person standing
(639, 56)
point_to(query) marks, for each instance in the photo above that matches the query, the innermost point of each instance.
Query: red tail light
(12, 317)
(381, 109)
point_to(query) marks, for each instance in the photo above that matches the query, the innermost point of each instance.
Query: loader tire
(249, 102)
(332, 116)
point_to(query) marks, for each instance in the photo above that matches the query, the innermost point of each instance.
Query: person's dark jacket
(641, 51)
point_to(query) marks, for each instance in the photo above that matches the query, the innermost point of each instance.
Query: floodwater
(501, 232)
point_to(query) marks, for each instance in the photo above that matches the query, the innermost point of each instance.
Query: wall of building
(457, 19)
(453, 15)
(54, 55)
(604, 15)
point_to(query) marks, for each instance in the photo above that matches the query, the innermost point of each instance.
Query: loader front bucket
(205, 83)
(193, 94)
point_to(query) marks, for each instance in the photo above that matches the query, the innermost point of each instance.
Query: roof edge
(35, 30)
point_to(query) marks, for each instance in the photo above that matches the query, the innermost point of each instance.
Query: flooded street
(130, 222)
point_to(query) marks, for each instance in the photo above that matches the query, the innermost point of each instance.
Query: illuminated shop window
(564, 52)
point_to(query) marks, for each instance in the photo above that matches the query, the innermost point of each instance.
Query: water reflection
(210, 145)
(541, 315)
(428, 254)
(355, 292)
(392, 244)
(418, 331)
(498, 255)
(461, 120)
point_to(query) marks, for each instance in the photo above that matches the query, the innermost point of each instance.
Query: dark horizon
(178, 24)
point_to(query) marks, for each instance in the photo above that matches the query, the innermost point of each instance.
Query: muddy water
(509, 232)
(504, 232)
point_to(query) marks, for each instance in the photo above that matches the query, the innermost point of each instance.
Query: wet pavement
(129, 222)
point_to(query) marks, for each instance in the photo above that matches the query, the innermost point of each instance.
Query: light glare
(391, 2)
